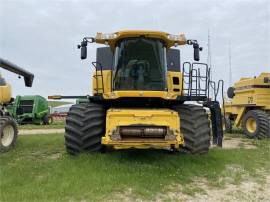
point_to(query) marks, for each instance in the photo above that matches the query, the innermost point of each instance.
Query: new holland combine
(249, 106)
(8, 126)
(140, 90)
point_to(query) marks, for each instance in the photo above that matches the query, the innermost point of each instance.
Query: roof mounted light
(106, 36)
(172, 37)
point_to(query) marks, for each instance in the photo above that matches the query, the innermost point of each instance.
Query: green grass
(39, 169)
(54, 125)
(57, 103)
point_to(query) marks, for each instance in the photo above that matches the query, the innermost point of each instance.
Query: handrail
(97, 75)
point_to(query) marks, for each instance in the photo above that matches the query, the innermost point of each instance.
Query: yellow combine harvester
(8, 127)
(139, 95)
(250, 106)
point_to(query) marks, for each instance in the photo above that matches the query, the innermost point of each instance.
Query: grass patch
(54, 125)
(39, 169)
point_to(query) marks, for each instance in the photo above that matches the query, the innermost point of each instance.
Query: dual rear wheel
(85, 126)
(195, 127)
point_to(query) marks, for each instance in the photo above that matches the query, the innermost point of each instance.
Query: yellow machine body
(138, 96)
(105, 81)
(134, 128)
(249, 93)
(117, 118)
(173, 91)
(5, 94)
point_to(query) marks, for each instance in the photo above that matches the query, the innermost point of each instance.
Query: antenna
(209, 59)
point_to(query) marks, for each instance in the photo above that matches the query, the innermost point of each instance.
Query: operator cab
(138, 61)
(139, 64)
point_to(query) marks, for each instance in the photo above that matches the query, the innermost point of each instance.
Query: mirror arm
(196, 48)
(85, 41)
(83, 46)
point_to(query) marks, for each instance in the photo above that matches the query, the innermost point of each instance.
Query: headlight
(174, 37)
(178, 39)
(106, 36)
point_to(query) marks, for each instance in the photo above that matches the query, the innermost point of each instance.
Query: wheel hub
(7, 136)
(251, 125)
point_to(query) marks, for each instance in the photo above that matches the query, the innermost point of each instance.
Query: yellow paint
(172, 88)
(154, 117)
(249, 96)
(251, 125)
(106, 82)
(240, 115)
(5, 94)
(170, 94)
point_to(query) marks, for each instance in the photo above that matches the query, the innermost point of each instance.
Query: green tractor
(31, 109)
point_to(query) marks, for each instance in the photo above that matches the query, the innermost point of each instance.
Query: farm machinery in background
(140, 90)
(249, 106)
(8, 126)
(30, 109)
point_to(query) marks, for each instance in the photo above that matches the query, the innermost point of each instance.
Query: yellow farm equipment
(249, 106)
(8, 126)
(140, 90)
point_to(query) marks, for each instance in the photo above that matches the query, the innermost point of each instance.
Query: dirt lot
(248, 190)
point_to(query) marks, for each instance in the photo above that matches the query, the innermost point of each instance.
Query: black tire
(85, 125)
(262, 129)
(7, 144)
(195, 128)
(45, 120)
(227, 125)
(50, 120)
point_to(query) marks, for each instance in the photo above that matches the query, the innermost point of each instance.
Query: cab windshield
(140, 64)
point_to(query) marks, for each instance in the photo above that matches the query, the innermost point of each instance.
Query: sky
(42, 36)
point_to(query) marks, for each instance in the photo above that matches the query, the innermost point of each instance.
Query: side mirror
(197, 50)
(83, 52)
(83, 48)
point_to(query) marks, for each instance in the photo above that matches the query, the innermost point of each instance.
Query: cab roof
(169, 39)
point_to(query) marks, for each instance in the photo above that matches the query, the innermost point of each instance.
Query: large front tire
(256, 124)
(8, 132)
(85, 125)
(195, 127)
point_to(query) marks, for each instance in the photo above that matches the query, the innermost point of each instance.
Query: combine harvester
(249, 106)
(139, 97)
(8, 126)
